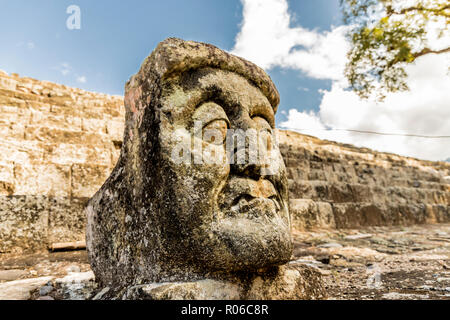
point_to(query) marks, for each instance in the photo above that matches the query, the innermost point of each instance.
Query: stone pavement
(371, 263)
(381, 262)
(46, 276)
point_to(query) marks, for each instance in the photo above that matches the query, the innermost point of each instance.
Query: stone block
(52, 120)
(94, 125)
(320, 190)
(20, 151)
(23, 223)
(355, 215)
(115, 129)
(67, 219)
(361, 193)
(325, 216)
(42, 179)
(95, 110)
(317, 175)
(64, 136)
(303, 212)
(67, 153)
(14, 115)
(7, 186)
(72, 109)
(437, 213)
(12, 130)
(7, 83)
(299, 189)
(87, 179)
(341, 192)
(116, 107)
(309, 214)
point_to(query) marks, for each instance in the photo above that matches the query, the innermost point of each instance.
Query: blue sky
(116, 36)
(301, 44)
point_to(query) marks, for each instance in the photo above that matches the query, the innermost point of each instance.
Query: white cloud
(81, 79)
(30, 45)
(267, 39)
(64, 68)
(424, 110)
(306, 122)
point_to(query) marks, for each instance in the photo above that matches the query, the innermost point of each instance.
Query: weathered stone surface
(307, 214)
(31, 223)
(412, 260)
(159, 220)
(337, 185)
(76, 285)
(20, 289)
(290, 282)
(13, 274)
(63, 227)
(23, 218)
(372, 263)
(54, 151)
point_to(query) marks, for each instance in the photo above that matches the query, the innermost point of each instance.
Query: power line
(375, 132)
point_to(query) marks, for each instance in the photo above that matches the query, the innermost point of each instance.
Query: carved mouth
(248, 198)
(254, 206)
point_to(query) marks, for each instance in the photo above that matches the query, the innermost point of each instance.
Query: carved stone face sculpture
(180, 203)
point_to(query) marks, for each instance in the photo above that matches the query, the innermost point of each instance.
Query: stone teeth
(235, 208)
(242, 203)
(277, 204)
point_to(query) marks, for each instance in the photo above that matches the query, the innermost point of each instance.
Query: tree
(386, 35)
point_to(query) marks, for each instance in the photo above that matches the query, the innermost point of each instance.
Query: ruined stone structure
(59, 144)
(57, 147)
(335, 185)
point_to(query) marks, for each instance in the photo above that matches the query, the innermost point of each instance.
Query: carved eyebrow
(264, 111)
(216, 94)
(216, 112)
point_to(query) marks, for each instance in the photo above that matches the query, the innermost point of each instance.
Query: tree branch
(427, 51)
(438, 11)
(435, 10)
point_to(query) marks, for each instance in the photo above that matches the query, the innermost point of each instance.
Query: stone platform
(412, 263)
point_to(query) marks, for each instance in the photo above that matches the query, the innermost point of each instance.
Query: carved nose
(245, 161)
(244, 152)
(250, 170)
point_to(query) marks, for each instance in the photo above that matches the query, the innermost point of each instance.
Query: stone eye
(262, 124)
(264, 132)
(215, 131)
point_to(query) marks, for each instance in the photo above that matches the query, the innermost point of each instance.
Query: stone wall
(341, 186)
(59, 144)
(57, 147)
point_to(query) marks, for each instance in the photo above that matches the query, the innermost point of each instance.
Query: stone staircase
(342, 186)
(57, 147)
